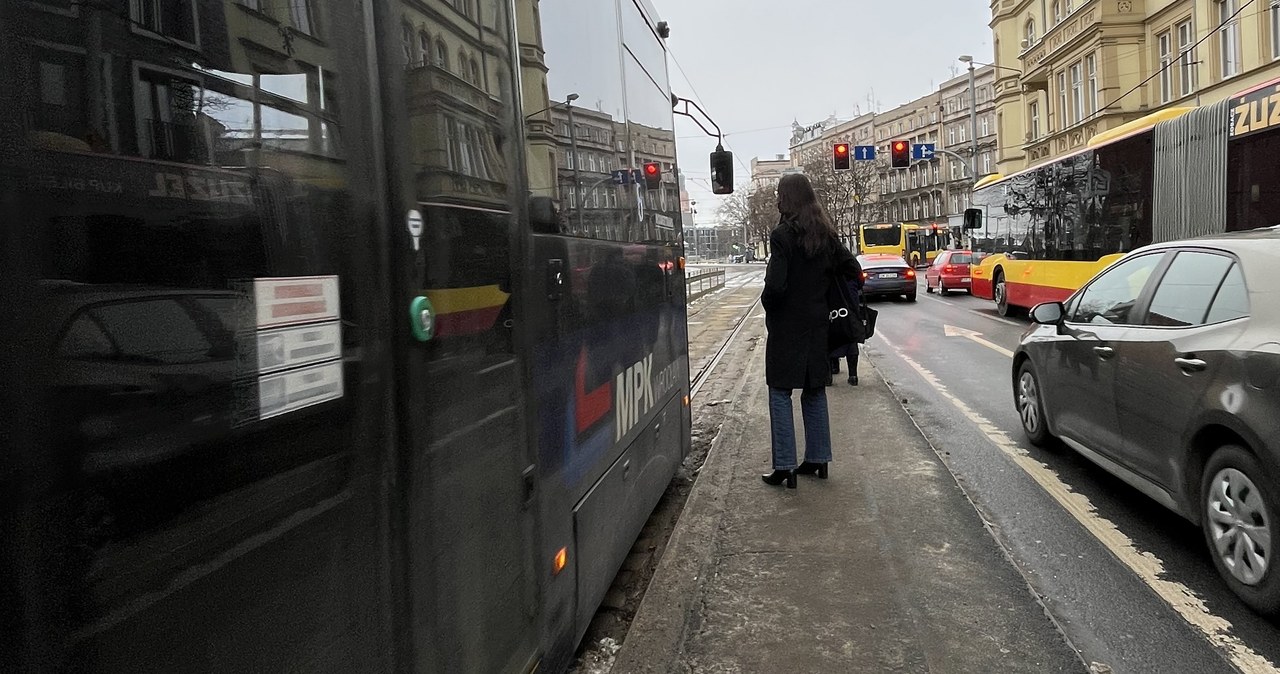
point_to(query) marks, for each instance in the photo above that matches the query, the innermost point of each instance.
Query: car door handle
(1190, 365)
(1104, 352)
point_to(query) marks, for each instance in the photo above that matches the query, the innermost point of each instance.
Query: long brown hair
(798, 204)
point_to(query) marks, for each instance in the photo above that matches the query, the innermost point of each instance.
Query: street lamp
(973, 113)
(577, 161)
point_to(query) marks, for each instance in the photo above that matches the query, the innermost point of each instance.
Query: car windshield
(881, 262)
(882, 235)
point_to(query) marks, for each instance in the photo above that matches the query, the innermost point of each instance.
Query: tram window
(161, 185)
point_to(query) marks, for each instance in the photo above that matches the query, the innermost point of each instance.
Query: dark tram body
(338, 336)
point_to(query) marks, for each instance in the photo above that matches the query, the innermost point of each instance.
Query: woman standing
(806, 257)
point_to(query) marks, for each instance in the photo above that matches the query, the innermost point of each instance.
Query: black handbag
(847, 324)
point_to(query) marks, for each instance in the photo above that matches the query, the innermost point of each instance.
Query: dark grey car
(887, 275)
(1165, 370)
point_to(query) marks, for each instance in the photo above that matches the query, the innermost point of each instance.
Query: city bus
(323, 350)
(1174, 174)
(918, 244)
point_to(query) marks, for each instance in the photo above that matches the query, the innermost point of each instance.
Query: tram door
(467, 475)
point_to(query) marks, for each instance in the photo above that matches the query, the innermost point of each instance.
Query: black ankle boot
(853, 380)
(811, 468)
(777, 477)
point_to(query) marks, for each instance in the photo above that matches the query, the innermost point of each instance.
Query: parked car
(887, 275)
(1165, 371)
(949, 271)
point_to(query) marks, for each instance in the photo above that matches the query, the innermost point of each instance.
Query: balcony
(1038, 58)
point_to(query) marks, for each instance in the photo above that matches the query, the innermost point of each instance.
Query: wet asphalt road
(1112, 574)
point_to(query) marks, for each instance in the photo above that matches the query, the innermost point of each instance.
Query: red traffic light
(901, 154)
(840, 156)
(652, 175)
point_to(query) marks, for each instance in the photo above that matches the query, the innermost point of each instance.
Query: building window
(1031, 32)
(986, 163)
(1057, 11)
(1166, 62)
(986, 126)
(1229, 37)
(1077, 94)
(1275, 29)
(303, 17)
(1062, 100)
(406, 42)
(951, 136)
(424, 49)
(171, 19)
(442, 54)
(1091, 69)
(1187, 57)
(1034, 116)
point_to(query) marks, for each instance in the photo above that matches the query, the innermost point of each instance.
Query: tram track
(709, 368)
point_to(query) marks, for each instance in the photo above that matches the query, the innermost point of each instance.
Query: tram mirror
(543, 216)
(722, 172)
(973, 218)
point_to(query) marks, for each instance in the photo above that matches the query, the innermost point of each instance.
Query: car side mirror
(1049, 313)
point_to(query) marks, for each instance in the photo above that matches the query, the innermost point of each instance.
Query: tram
(339, 337)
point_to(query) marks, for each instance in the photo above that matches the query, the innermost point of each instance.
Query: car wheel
(1030, 404)
(1001, 295)
(928, 288)
(942, 288)
(1238, 504)
(911, 297)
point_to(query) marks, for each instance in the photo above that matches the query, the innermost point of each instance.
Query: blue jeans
(817, 427)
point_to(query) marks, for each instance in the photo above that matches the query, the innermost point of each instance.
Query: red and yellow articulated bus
(1174, 174)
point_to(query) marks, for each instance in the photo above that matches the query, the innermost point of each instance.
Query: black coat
(796, 312)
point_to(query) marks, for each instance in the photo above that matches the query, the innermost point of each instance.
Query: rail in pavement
(886, 566)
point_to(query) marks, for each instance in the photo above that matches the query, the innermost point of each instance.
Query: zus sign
(1255, 111)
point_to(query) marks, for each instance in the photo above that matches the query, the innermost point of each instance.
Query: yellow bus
(1172, 175)
(918, 244)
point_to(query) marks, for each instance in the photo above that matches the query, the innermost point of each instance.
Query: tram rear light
(686, 401)
(561, 560)
(681, 263)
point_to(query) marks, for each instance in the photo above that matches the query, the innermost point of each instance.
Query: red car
(949, 271)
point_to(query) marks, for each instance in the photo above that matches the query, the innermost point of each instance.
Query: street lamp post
(581, 199)
(973, 112)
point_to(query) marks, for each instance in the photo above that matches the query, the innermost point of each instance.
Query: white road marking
(1145, 565)
(975, 312)
(976, 337)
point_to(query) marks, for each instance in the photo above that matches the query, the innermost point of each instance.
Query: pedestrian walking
(806, 257)
(849, 352)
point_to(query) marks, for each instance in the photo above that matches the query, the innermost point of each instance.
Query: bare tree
(851, 197)
(751, 210)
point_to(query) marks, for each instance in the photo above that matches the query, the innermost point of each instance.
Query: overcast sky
(759, 64)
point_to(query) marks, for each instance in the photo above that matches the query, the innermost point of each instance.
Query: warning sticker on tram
(289, 391)
(297, 300)
(285, 348)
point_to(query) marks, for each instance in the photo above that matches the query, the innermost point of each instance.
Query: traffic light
(900, 150)
(722, 172)
(652, 175)
(840, 156)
